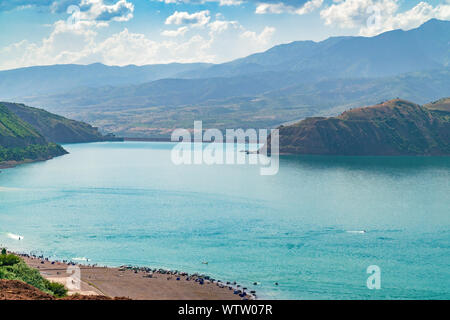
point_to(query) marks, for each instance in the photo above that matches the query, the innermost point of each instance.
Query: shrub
(8, 259)
(14, 268)
(57, 289)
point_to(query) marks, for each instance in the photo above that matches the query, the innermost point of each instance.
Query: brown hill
(440, 105)
(18, 290)
(396, 127)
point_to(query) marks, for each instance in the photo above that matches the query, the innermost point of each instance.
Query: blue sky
(121, 32)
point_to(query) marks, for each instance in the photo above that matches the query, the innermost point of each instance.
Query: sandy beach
(136, 283)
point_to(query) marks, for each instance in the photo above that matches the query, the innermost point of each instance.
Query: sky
(123, 32)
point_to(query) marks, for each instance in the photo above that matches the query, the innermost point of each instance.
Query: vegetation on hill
(14, 268)
(20, 142)
(396, 127)
(54, 127)
(281, 85)
(263, 100)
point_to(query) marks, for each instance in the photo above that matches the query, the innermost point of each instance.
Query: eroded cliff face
(396, 127)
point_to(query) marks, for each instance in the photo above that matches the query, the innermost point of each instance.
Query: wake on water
(356, 231)
(14, 236)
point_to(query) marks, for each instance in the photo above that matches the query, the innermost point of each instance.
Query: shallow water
(126, 203)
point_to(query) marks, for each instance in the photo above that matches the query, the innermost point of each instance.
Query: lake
(313, 228)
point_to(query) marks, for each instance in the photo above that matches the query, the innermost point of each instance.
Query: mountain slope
(60, 78)
(56, 128)
(396, 127)
(387, 54)
(156, 108)
(20, 142)
(440, 105)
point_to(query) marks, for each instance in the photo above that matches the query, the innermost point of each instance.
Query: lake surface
(127, 203)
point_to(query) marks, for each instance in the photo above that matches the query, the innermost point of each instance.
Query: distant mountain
(396, 127)
(156, 108)
(284, 84)
(56, 128)
(387, 54)
(19, 141)
(60, 78)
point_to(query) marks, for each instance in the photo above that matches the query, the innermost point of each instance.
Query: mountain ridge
(387, 54)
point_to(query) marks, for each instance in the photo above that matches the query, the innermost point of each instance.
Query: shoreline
(136, 283)
(12, 164)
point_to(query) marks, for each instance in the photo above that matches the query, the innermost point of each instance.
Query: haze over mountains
(284, 84)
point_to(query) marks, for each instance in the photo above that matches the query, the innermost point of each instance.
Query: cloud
(372, 17)
(221, 2)
(175, 33)
(87, 10)
(280, 7)
(262, 38)
(217, 41)
(6, 5)
(219, 26)
(196, 19)
(98, 11)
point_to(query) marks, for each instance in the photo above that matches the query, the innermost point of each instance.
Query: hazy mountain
(389, 53)
(60, 78)
(154, 109)
(284, 84)
(396, 127)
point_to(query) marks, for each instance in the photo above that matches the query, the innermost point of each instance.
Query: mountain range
(281, 85)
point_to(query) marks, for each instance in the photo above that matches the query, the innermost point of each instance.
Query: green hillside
(55, 128)
(20, 142)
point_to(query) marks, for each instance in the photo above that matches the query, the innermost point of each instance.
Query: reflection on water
(379, 164)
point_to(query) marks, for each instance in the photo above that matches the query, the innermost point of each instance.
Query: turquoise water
(126, 203)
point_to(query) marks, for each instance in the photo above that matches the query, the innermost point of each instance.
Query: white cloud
(372, 17)
(219, 26)
(217, 41)
(262, 38)
(97, 13)
(119, 11)
(280, 7)
(199, 18)
(181, 31)
(221, 2)
(230, 2)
